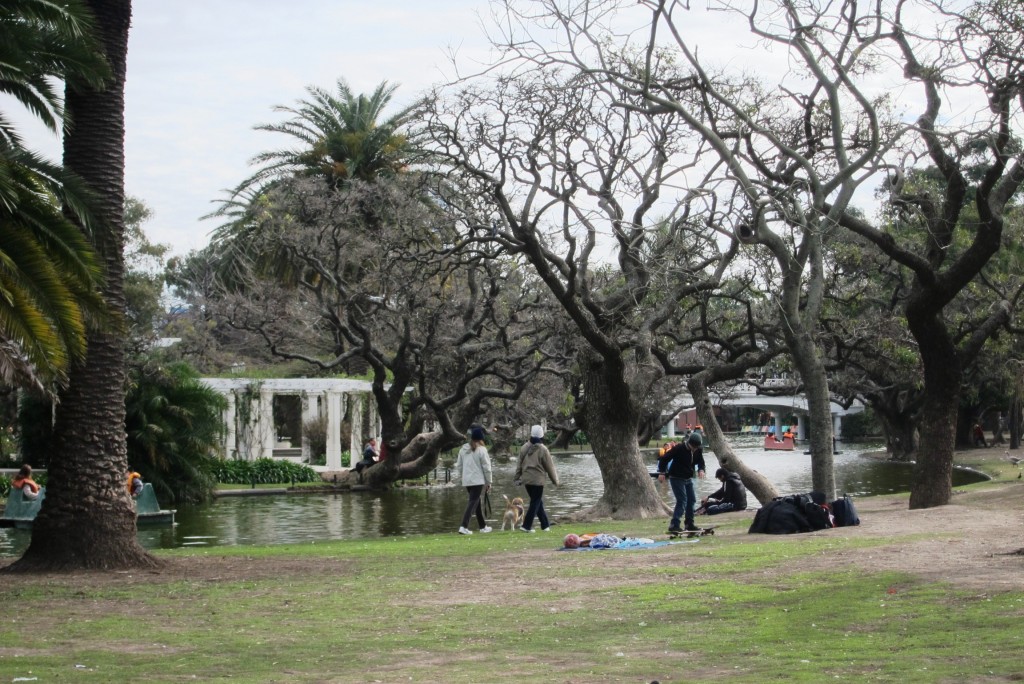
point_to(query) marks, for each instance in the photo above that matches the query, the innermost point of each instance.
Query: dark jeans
(475, 505)
(536, 508)
(723, 507)
(686, 500)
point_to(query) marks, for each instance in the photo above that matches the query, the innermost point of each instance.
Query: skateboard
(689, 534)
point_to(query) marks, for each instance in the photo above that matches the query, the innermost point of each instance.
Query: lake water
(291, 518)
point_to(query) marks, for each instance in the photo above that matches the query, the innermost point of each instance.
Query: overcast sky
(203, 73)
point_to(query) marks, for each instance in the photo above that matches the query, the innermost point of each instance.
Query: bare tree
(372, 271)
(800, 148)
(594, 196)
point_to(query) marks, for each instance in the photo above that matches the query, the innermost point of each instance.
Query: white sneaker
(463, 530)
(523, 529)
(485, 530)
(546, 529)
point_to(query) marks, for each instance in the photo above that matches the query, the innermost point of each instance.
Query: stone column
(356, 439)
(837, 427)
(778, 424)
(334, 418)
(265, 431)
(801, 428)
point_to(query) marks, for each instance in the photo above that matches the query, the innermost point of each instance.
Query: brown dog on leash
(514, 512)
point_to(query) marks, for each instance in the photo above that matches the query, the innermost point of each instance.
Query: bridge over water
(780, 405)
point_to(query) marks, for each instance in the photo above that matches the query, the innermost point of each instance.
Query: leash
(487, 505)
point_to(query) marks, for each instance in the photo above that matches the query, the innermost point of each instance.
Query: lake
(291, 518)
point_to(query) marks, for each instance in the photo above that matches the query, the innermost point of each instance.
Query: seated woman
(23, 481)
(731, 496)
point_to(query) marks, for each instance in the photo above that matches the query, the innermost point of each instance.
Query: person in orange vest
(134, 483)
(23, 481)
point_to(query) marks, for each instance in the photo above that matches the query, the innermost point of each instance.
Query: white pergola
(249, 415)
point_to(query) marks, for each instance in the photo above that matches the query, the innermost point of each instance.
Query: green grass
(506, 607)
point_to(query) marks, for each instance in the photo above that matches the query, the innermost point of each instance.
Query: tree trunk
(610, 418)
(933, 478)
(563, 438)
(1014, 416)
(87, 520)
(757, 484)
(900, 435)
(819, 408)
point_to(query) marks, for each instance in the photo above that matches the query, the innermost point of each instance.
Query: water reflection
(287, 519)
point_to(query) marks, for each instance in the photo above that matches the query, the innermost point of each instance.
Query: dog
(514, 513)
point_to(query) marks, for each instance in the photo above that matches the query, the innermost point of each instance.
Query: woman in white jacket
(473, 467)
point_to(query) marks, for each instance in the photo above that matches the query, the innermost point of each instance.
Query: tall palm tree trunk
(87, 520)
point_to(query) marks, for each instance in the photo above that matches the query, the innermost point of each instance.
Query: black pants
(536, 508)
(475, 505)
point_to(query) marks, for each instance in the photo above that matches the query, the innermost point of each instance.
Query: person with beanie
(473, 467)
(678, 465)
(535, 466)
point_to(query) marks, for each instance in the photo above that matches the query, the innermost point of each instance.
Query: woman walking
(535, 466)
(473, 467)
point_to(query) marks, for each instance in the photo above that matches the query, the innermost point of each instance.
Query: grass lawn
(905, 598)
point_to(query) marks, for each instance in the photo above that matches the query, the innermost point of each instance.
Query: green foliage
(144, 275)
(49, 274)
(174, 429)
(262, 471)
(859, 426)
(35, 421)
(315, 433)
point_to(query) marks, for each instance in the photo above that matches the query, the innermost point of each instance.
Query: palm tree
(40, 40)
(174, 430)
(87, 520)
(48, 272)
(342, 138)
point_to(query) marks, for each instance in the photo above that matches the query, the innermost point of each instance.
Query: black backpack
(791, 514)
(844, 512)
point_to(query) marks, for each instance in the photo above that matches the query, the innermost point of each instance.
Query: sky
(203, 73)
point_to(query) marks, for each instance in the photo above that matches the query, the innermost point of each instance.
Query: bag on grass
(791, 514)
(844, 512)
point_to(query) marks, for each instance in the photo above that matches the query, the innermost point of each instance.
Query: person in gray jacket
(535, 466)
(473, 468)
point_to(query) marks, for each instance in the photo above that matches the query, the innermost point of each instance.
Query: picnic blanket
(600, 542)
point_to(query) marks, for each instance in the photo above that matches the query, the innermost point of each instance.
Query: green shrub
(263, 471)
(860, 426)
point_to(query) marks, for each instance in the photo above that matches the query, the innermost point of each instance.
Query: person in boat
(678, 466)
(788, 434)
(23, 481)
(135, 484)
(731, 496)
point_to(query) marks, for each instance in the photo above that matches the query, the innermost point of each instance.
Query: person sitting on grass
(731, 496)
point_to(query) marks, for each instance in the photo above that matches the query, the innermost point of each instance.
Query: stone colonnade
(249, 415)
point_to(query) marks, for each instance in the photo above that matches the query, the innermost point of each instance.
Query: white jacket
(473, 466)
